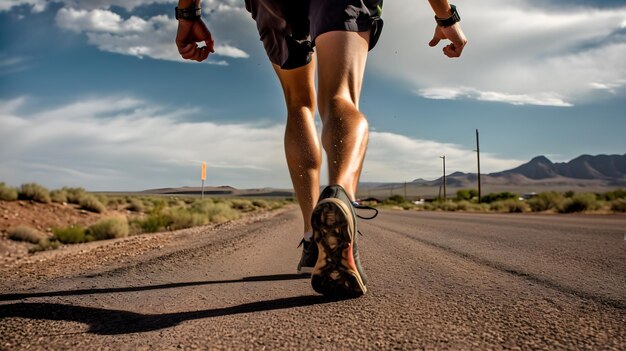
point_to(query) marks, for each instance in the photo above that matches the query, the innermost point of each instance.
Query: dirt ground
(43, 217)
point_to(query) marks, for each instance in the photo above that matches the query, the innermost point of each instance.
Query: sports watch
(189, 13)
(447, 22)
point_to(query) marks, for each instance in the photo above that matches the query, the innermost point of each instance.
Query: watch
(447, 22)
(189, 13)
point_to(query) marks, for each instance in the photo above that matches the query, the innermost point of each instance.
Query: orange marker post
(203, 177)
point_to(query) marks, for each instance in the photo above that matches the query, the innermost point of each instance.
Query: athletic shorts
(288, 28)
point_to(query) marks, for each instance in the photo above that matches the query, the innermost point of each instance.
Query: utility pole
(444, 176)
(478, 160)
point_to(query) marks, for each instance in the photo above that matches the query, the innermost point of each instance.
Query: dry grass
(91, 203)
(34, 192)
(27, 234)
(109, 228)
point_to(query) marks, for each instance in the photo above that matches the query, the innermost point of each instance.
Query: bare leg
(341, 59)
(302, 148)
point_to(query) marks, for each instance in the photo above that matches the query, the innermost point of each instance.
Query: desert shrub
(44, 245)
(70, 235)
(493, 197)
(448, 206)
(7, 193)
(509, 206)
(579, 203)
(109, 228)
(259, 203)
(35, 192)
(242, 205)
(614, 195)
(181, 218)
(618, 205)
(221, 212)
(58, 196)
(136, 205)
(26, 233)
(74, 194)
(466, 194)
(463, 205)
(546, 201)
(155, 222)
(91, 203)
(394, 200)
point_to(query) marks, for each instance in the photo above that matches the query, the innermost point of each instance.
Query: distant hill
(606, 167)
(584, 173)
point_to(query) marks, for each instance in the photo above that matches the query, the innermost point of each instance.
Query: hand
(189, 33)
(456, 37)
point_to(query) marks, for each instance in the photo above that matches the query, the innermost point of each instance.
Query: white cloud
(394, 157)
(134, 36)
(35, 5)
(129, 144)
(545, 99)
(517, 53)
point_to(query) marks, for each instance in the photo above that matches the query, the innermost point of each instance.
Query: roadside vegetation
(505, 202)
(125, 215)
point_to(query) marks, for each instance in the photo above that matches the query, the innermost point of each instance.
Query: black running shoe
(308, 258)
(338, 270)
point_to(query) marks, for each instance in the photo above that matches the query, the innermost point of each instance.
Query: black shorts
(288, 28)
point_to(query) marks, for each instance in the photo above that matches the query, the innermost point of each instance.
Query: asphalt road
(436, 281)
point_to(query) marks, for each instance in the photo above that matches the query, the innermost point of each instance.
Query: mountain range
(587, 173)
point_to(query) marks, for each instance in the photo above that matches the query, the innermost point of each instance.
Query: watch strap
(189, 13)
(447, 22)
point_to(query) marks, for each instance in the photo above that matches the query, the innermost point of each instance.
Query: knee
(339, 107)
(300, 104)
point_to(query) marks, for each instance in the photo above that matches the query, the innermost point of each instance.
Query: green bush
(7, 193)
(58, 196)
(91, 203)
(614, 195)
(546, 201)
(26, 233)
(35, 192)
(394, 200)
(109, 228)
(466, 194)
(618, 205)
(74, 194)
(259, 203)
(70, 235)
(156, 222)
(493, 197)
(580, 202)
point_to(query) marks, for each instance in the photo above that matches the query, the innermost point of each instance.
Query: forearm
(441, 7)
(188, 3)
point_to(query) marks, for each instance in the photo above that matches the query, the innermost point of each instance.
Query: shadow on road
(260, 278)
(114, 322)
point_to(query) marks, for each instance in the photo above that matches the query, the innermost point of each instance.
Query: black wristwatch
(189, 13)
(447, 22)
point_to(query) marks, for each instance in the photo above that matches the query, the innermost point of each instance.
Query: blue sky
(92, 93)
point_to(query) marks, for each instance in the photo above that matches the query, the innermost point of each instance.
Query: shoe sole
(335, 273)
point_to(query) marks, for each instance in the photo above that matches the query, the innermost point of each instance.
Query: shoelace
(364, 207)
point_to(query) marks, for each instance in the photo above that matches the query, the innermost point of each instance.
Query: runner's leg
(302, 148)
(341, 59)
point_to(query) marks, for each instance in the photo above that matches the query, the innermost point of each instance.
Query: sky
(94, 94)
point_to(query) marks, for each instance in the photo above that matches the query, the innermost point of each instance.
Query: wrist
(449, 19)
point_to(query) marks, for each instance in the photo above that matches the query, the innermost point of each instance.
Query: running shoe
(308, 258)
(338, 270)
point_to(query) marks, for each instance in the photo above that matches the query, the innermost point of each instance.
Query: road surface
(436, 281)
